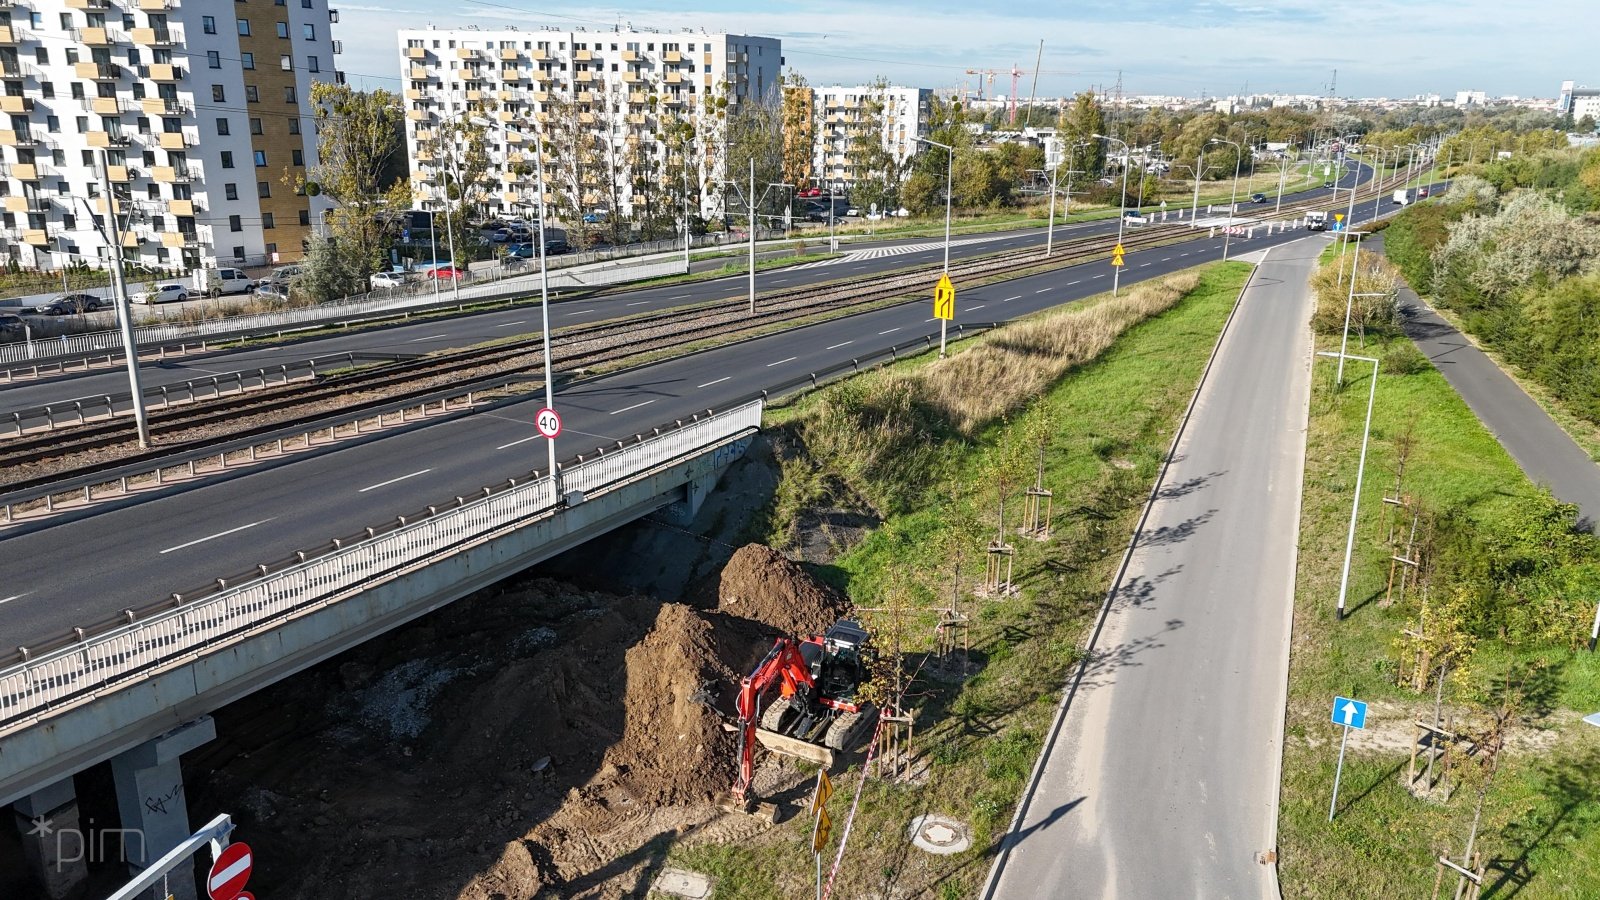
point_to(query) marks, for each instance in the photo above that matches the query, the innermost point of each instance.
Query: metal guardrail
(30, 689)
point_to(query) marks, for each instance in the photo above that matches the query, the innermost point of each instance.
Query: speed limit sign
(548, 423)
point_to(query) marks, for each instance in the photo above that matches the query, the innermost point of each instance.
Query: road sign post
(548, 421)
(823, 824)
(944, 307)
(1350, 714)
(230, 872)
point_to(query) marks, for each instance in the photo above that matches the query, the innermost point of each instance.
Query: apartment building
(623, 86)
(898, 115)
(201, 108)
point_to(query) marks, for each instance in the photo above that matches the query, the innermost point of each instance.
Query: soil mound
(762, 584)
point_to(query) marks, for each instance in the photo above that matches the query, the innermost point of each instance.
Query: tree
(358, 144)
(460, 188)
(755, 134)
(799, 129)
(879, 172)
(1586, 125)
(1084, 119)
(978, 180)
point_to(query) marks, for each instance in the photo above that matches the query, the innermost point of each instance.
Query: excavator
(818, 711)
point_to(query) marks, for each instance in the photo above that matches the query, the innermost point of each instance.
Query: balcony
(162, 106)
(637, 119)
(157, 5)
(582, 55)
(37, 237)
(108, 106)
(425, 134)
(88, 4)
(507, 96)
(180, 207)
(97, 71)
(164, 72)
(630, 56)
(14, 203)
(672, 58)
(418, 73)
(419, 115)
(172, 174)
(586, 118)
(539, 55)
(413, 93)
(465, 53)
(416, 53)
(512, 73)
(156, 37)
(539, 96)
(631, 77)
(177, 238)
(176, 140)
(674, 78)
(8, 35)
(93, 36)
(10, 104)
(509, 53)
(121, 174)
(425, 156)
(25, 171)
(506, 115)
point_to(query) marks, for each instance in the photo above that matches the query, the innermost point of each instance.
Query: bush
(1376, 313)
(1402, 358)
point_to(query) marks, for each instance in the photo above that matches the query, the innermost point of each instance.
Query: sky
(1392, 48)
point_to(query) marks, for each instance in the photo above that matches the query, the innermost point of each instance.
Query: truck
(1316, 220)
(1405, 196)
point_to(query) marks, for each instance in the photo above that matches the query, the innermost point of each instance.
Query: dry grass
(1376, 277)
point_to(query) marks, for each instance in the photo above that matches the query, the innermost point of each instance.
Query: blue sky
(1380, 47)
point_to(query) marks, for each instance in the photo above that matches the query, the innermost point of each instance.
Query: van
(227, 281)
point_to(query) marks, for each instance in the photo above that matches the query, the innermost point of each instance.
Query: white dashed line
(509, 324)
(373, 487)
(16, 597)
(718, 381)
(580, 312)
(1009, 299)
(846, 343)
(782, 361)
(522, 441)
(432, 337)
(1071, 283)
(1101, 275)
(1041, 290)
(1166, 259)
(626, 408)
(679, 296)
(200, 540)
(979, 306)
(639, 302)
(890, 331)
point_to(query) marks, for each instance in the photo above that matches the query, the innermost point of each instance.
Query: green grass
(1545, 808)
(1112, 421)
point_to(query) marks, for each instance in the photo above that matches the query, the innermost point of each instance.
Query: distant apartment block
(895, 116)
(623, 86)
(202, 107)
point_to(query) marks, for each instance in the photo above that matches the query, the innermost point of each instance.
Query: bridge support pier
(52, 840)
(682, 512)
(150, 797)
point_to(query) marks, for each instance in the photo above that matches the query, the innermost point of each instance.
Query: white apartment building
(202, 108)
(623, 84)
(842, 113)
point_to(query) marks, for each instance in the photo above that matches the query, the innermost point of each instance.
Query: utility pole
(119, 296)
(1194, 206)
(752, 201)
(1122, 212)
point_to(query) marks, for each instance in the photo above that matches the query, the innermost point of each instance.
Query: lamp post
(1283, 174)
(1122, 211)
(544, 290)
(949, 175)
(1194, 205)
(753, 201)
(1233, 200)
(1361, 468)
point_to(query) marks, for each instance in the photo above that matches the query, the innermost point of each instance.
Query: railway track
(575, 347)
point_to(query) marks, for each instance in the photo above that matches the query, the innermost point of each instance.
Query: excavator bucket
(792, 746)
(764, 810)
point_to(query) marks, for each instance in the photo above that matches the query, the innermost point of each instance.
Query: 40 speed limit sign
(548, 422)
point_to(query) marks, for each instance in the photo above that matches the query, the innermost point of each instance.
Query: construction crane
(1016, 79)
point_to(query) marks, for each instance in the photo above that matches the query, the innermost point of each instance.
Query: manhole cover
(682, 883)
(938, 834)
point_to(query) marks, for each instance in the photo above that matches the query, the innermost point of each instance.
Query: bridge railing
(30, 689)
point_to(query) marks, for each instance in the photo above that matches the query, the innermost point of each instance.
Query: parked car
(1258, 198)
(852, 211)
(443, 273)
(523, 250)
(272, 291)
(10, 324)
(556, 247)
(501, 236)
(380, 280)
(811, 192)
(165, 293)
(281, 275)
(230, 281)
(73, 304)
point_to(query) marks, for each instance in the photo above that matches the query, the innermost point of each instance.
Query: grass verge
(1539, 831)
(1109, 408)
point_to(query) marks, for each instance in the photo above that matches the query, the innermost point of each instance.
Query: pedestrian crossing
(871, 253)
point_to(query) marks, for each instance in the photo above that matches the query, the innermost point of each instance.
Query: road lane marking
(779, 280)
(626, 408)
(373, 487)
(522, 441)
(1071, 283)
(16, 597)
(209, 538)
(679, 296)
(782, 361)
(434, 337)
(837, 346)
(890, 331)
(1041, 290)
(640, 302)
(580, 312)
(979, 306)
(1101, 275)
(1166, 259)
(1009, 299)
(509, 324)
(721, 380)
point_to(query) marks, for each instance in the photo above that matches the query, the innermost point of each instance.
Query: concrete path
(1163, 778)
(1517, 421)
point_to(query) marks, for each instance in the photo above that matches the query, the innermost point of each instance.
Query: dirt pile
(763, 585)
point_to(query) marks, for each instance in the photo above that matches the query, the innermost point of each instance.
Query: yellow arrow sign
(820, 839)
(944, 299)
(824, 791)
(1116, 256)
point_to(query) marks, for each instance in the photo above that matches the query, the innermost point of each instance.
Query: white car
(166, 293)
(382, 280)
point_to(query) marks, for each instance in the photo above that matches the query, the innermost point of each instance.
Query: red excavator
(817, 712)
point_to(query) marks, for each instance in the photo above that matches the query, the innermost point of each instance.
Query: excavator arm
(783, 666)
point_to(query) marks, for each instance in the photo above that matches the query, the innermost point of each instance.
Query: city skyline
(1155, 48)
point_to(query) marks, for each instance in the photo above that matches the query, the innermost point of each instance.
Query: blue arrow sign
(1351, 713)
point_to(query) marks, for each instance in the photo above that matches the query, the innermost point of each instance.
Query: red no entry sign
(230, 872)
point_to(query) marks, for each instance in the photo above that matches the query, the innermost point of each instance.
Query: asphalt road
(1518, 422)
(1163, 779)
(438, 334)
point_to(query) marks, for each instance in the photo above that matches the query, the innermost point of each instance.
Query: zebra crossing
(871, 253)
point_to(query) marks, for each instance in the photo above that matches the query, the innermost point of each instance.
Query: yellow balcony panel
(7, 35)
(631, 77)
(15, 104)
(98, 139)
(164, 72)
(156, 5)
(672, 57)
(38, 237)
(505, 115)
(129, 239)
(515, 137)
(630, 56)
(512, 73)
(638, 97)
(511, 196)
(425, 134)
(417, 115)
(466, 53)
(582, 55)
(540, 55)
(541, 116)
(173, 140)
(153, 37)
(539, 96)
(586, 118)
(86, 70)
(181, 207)
(585, 97)
(474, 96)
(416, 53)
(25, 171)
(674, 78)
(544, 77)
(418, 73)
(707, 59)
(94, 37)
(16, 204)
(413, 94)
(636, 119)
(117, 173)
(106, 106)
(509, 53)
(172, 238)
(163, 174)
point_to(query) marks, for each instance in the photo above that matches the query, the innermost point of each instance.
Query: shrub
(1376, 313)
(1402, 358)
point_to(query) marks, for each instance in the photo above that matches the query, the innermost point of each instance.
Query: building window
(261, 159)
(235, 223)
(227, 159)
(214, 59)
(297, 157)
(222, 126)
(286, 62)
(283, 29)
(312, 65)
(238, 254)
(267, 222)
(294, 126)
(255, 126)
(218, 94)
(83, 124)
(208, 24)
(247, 60)
(263, 189)
(244, 27)
(41, 55)
(77, 90)
(308, 31)
(305, 217)
(251, 94)
(288, 94)
(66, 21)
(49, 90)
(230, 191)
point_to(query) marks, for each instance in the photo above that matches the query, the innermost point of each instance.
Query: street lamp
(1361, 469)
(752, 201)
(1066, 203)
(544, 287)
(1233, 200)
(1283, 172)
(1122, 211)
(949, 174)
